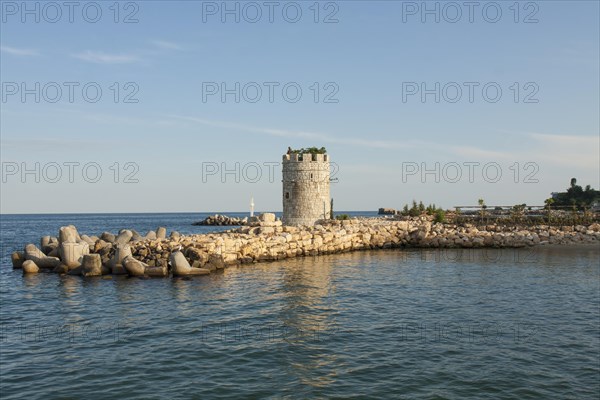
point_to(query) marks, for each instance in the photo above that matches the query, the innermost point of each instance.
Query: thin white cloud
(18, 51)
(475, 152)
(576, 151)
(571, 141)
(163, 44)
(568, 150)
(99, 57)
(373, 143)
(46, 144)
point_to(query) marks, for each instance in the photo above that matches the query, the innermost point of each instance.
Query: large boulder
(17, 258)
(161, 233)
(68, 234)
(29, 267)
(151, 235)
(181, 266)
(107, 237)
(44, 241)
(136, 235)
(54, 252)
(159, 272)
(39, 258)
(134, 267)
(91, 242)
(268, 218)
(195, 254)
(91, 265)
(122, 251)
(48, 244)
(215, 261)
(102, 247)
(71, 254)
(266, 230)
(124, 237)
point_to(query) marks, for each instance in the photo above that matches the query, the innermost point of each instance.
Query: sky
(188, 106)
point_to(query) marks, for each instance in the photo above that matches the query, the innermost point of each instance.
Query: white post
(251, 206)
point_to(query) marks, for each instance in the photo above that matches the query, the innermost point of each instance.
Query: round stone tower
(305, 188)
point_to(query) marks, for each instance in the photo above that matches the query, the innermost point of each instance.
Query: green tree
(577, 196)
(482, 207)
(405, 210)
(331, 209)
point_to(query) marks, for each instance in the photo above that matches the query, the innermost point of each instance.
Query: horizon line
(164, 212)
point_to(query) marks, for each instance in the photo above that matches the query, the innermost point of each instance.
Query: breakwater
(159, 255)
(222, 220)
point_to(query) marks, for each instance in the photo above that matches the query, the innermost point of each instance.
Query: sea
(394, 323)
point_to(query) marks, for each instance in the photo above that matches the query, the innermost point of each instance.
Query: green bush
(440, 216)
(310, 150)
(418, 209)
(342, 217)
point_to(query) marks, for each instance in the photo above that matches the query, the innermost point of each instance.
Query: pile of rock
(265, 239)
(387, 211)
(75, 254)
(219, 220)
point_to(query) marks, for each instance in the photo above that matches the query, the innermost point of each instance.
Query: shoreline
(266, 239)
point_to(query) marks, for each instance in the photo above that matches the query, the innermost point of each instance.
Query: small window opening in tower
(287, 195)
(311, 176)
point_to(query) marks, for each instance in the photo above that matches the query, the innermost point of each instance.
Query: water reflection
(69, 288)
(308, 318)
(127, 329)
(32, 281)
(182, 290)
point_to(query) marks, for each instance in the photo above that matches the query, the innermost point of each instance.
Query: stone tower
(305, 188)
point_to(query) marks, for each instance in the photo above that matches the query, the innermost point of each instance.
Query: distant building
(305, 188)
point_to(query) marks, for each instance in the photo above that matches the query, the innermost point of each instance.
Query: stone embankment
(156, 255)
(222, 220)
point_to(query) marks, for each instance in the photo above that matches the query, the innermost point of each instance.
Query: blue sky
(366, 61)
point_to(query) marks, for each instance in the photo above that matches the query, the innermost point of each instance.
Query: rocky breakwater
(155, 255)
(221, 220)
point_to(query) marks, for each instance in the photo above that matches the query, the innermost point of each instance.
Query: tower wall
(305, 188)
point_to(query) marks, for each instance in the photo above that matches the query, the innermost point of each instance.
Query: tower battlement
(296, 157)
(305, 188)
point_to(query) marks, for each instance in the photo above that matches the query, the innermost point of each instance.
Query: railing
(528, 215)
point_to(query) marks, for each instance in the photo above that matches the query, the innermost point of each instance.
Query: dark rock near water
(91, 265)
(107, 237)
(222, 220)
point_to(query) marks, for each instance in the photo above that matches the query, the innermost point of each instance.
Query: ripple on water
(370, 324)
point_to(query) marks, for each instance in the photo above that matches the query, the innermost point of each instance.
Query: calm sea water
(483, 324)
